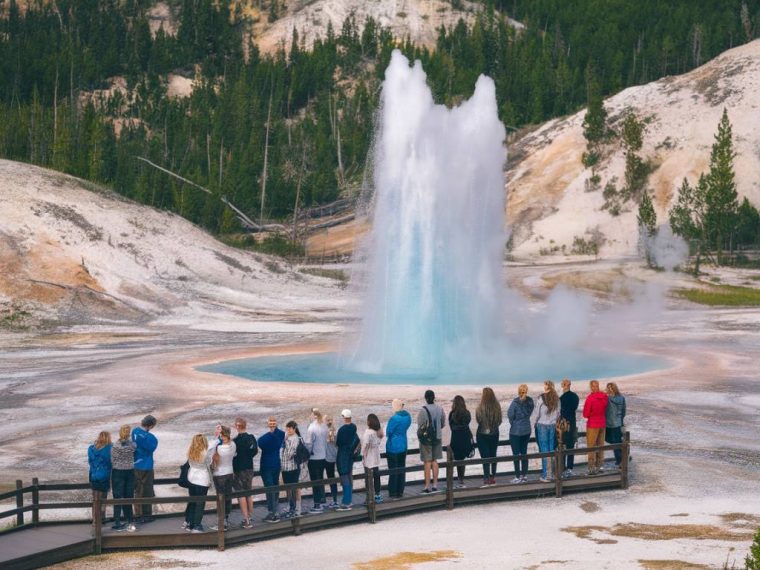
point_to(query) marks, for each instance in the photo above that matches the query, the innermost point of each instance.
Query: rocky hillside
(548, 202)
(546, 183)
(71, 252)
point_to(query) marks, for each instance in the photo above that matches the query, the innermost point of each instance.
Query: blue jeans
(270, 478)
(546, 438)
(347, 482)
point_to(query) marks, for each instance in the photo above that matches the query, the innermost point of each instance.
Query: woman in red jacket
(595, 412)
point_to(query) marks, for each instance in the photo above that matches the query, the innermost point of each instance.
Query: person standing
(431, 416)
(246, 448)
(347, 442)
(99, 460)
(395, 448)
(290, 467)
(331, 455)
(222, 455)
(371, 439)
(519, 413)
(123, 479)
(568, 407)
(199, 481)
(145, 444)
(316, 442)
(615, 417)
(461, 436)
(595, 412)
(546, 426)
(270, 444)
(489, 417)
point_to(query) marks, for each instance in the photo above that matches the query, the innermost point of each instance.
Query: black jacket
(568, 406)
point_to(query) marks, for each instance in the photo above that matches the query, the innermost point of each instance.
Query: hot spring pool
(324, 368)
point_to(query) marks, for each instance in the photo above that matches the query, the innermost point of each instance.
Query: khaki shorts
(431, 452)
(243, 480)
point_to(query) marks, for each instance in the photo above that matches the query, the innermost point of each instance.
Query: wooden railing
(449, 465)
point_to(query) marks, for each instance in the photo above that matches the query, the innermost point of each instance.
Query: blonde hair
(551, 399)
(612, 387)
(318, 415)
(197, 450)
(522, 391)
(124, 432)
(488, 411)
(104, 438)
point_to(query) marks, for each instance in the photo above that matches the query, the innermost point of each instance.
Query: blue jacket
(396, 430)
(270, 444)
(519, 416)
(615, 411)
(146, 444)
(346, 441)
(100, 462)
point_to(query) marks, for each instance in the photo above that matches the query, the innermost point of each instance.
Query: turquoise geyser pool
(325, 368)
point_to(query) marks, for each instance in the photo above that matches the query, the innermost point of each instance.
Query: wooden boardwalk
(36, 543)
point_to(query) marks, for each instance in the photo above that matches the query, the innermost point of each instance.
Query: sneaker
(545, 480)
(486, 483)
(343, 508)
(119, 527)
(185, 524)
(225, 528)
(524, 479)
(316, 510)
(272, 518)
(199, 529)
(425, 491)
(460, 485)
(493, 481)
(601, 468)
(434, 489)
(517, 480)
(378, 498)
(247, 523)
(131, 528)
(333, 505)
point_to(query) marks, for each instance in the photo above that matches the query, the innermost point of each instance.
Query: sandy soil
(695, 454)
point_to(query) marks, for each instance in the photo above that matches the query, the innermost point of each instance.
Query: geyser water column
(434, 275)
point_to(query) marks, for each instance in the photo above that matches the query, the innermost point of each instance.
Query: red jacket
(595, 410)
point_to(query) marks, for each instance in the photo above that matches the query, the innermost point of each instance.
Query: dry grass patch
(741, 520)
(661, 532)
(671, 565)
(405, 560)
(125, 561)
(590, 507)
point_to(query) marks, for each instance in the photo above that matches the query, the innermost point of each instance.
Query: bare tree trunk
(298, 192)
(266, 160)
(221, 155)
(208, 155)
(55, 109)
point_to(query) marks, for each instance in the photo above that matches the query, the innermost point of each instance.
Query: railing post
(97, 521)
(559, 463)
(449, 478)
(19, 502)
(36, 501)
(220, 514)
(369, 486)
(624, 464)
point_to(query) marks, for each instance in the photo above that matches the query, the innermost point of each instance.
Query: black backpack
(427, 433)
(184, 482)
(356, 449)
(302, 452)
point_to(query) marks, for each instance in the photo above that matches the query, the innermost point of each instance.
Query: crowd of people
(328, 447)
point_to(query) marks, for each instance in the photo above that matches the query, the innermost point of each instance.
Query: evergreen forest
(273, 134)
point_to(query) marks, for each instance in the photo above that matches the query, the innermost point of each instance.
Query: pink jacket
(595, 410)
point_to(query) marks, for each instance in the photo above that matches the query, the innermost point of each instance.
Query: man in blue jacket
(269, 445)
(146, 443)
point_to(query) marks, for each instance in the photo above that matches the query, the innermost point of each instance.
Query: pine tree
(721, 197)
(748, 224)
(647, 219)
(636, 170)
(595, 121)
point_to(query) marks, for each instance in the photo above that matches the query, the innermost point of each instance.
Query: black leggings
(330, 472)
(519, 444)
(487, 444)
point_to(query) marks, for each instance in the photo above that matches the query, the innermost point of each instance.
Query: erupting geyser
(434, 279)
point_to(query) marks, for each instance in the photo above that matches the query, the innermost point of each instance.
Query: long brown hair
(198, 447)
(104, 438)
(458, 409)
(488, 411)
(612, 387)
(551, 398)
(373, 422)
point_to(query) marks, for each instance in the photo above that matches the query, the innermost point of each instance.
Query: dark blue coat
(345, 441)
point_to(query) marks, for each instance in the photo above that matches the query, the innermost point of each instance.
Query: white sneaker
(545, 480)
(517, 480)
(131, 528)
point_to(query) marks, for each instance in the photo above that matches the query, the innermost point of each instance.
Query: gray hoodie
(615, 411)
